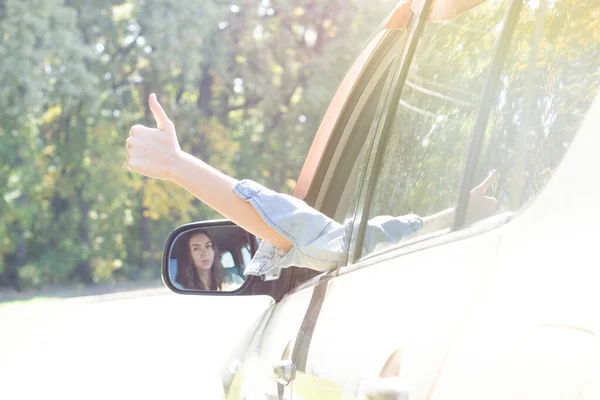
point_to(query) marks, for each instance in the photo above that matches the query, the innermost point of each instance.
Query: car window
(340, 161)
(426, 146)
(549, 78)
(547, 85)
(359, 135)
(246, 254)
(227, 260)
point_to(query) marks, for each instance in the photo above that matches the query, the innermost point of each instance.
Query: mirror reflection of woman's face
(202, 251)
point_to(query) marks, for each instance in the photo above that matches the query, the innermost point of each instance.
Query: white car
(507, 307)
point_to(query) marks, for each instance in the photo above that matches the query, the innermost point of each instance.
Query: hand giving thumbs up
(153, 152)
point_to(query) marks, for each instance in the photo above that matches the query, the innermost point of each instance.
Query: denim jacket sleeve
(317, 240)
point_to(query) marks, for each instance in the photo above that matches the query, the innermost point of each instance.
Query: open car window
(549, 80)
(549, 76)
(427, 141)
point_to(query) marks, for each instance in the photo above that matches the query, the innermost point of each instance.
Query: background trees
(246, 82)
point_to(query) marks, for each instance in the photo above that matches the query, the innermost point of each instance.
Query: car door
(533, 334)
(393, 316)
(390, 317)
(266, 367)
(356, 125)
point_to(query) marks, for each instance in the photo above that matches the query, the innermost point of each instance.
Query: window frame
(383, 67)
(355, 259)
(367, 185)
(334, 163)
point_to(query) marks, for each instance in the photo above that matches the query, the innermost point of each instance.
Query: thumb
(162, 121)
(483, 186)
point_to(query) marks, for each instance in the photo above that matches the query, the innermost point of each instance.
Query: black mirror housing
(187, 258)
(274, 287)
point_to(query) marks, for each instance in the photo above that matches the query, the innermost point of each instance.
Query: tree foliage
(246, 83)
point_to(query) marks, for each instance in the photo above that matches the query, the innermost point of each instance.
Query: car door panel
(418, 306)
(440, 317)
(290, 327)
(411, 305)
(534, 334)
(256, 378)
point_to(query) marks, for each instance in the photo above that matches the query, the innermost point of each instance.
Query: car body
(504, 307)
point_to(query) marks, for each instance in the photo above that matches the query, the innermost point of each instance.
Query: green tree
(246, 84)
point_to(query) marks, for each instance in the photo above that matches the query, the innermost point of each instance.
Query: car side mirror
(208, 257)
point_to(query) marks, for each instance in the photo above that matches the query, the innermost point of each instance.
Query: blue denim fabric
(316, 238)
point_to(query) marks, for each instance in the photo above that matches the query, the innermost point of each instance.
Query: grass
(73, 291)
(28, 302)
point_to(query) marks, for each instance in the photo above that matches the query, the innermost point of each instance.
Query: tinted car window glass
(246, 254)
(549, 81)
(428, 142)
(227, 260)
(348, 141)
(355, 150)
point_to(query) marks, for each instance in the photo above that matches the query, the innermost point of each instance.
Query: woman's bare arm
(156, 153)
(216, 190)
(437, 222)
(479, 207)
